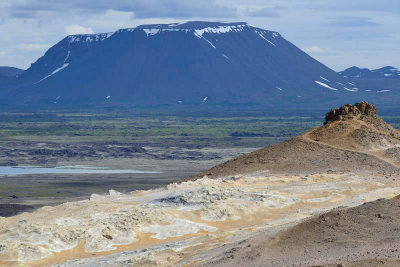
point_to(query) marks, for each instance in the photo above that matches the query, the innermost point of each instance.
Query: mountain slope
(353, 139)
(10, 71)
(385, 72)
(9, 76)
(190, 63)
(381, 81)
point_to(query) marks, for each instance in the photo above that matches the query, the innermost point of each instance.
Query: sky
(339, 33)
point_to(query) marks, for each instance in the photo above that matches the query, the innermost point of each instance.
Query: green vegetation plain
(153, 129)
(158, 129)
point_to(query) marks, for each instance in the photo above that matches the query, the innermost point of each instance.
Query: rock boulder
(351, 112)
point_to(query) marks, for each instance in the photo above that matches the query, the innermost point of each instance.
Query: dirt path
(374, 153)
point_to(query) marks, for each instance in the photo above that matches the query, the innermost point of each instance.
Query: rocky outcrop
(350, 112)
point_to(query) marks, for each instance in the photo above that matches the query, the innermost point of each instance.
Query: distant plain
(176, 145)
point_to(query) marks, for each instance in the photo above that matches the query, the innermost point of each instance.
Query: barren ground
(187, 223)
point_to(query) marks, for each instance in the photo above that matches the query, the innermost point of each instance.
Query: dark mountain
(10, 71)
(358, 73)
(385, 80)
(9, 76)
(195, 63)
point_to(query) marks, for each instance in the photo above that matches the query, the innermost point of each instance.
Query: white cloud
(77, 29)
(351, 21)
(33, 47)
(140, 8)
(317, 50)
(266, 12)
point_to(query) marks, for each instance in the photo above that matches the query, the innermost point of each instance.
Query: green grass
(153, 129)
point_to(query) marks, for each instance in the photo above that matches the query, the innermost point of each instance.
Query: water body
(23, 170)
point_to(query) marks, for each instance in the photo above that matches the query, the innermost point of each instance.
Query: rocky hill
(353, 138)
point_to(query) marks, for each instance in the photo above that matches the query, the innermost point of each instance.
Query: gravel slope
(365, 145)
(366, 235)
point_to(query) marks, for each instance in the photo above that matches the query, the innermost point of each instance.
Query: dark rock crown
(350, 112)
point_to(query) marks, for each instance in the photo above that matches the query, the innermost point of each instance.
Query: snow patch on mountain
(213, 46)
(89, 38)
(225, 56)
(55, 71)
(151, 31)
(351, 89)
(325, 79)
(154, 31)
(221, 29)
(68, 54)
(326, 86)
(201, 37)
(261, 34)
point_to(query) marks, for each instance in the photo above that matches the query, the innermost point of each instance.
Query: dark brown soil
(366, 235)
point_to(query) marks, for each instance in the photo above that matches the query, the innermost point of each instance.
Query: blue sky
(339, 33)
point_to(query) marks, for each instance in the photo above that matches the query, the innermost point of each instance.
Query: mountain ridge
(6, 71)
(9, 75)
(384, 72)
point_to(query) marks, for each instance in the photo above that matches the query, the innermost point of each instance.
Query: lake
(23, 170)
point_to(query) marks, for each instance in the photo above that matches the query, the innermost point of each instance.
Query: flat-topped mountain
(353, 139)
(194, 63)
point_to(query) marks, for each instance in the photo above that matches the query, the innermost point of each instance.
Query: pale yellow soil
(189, 218)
